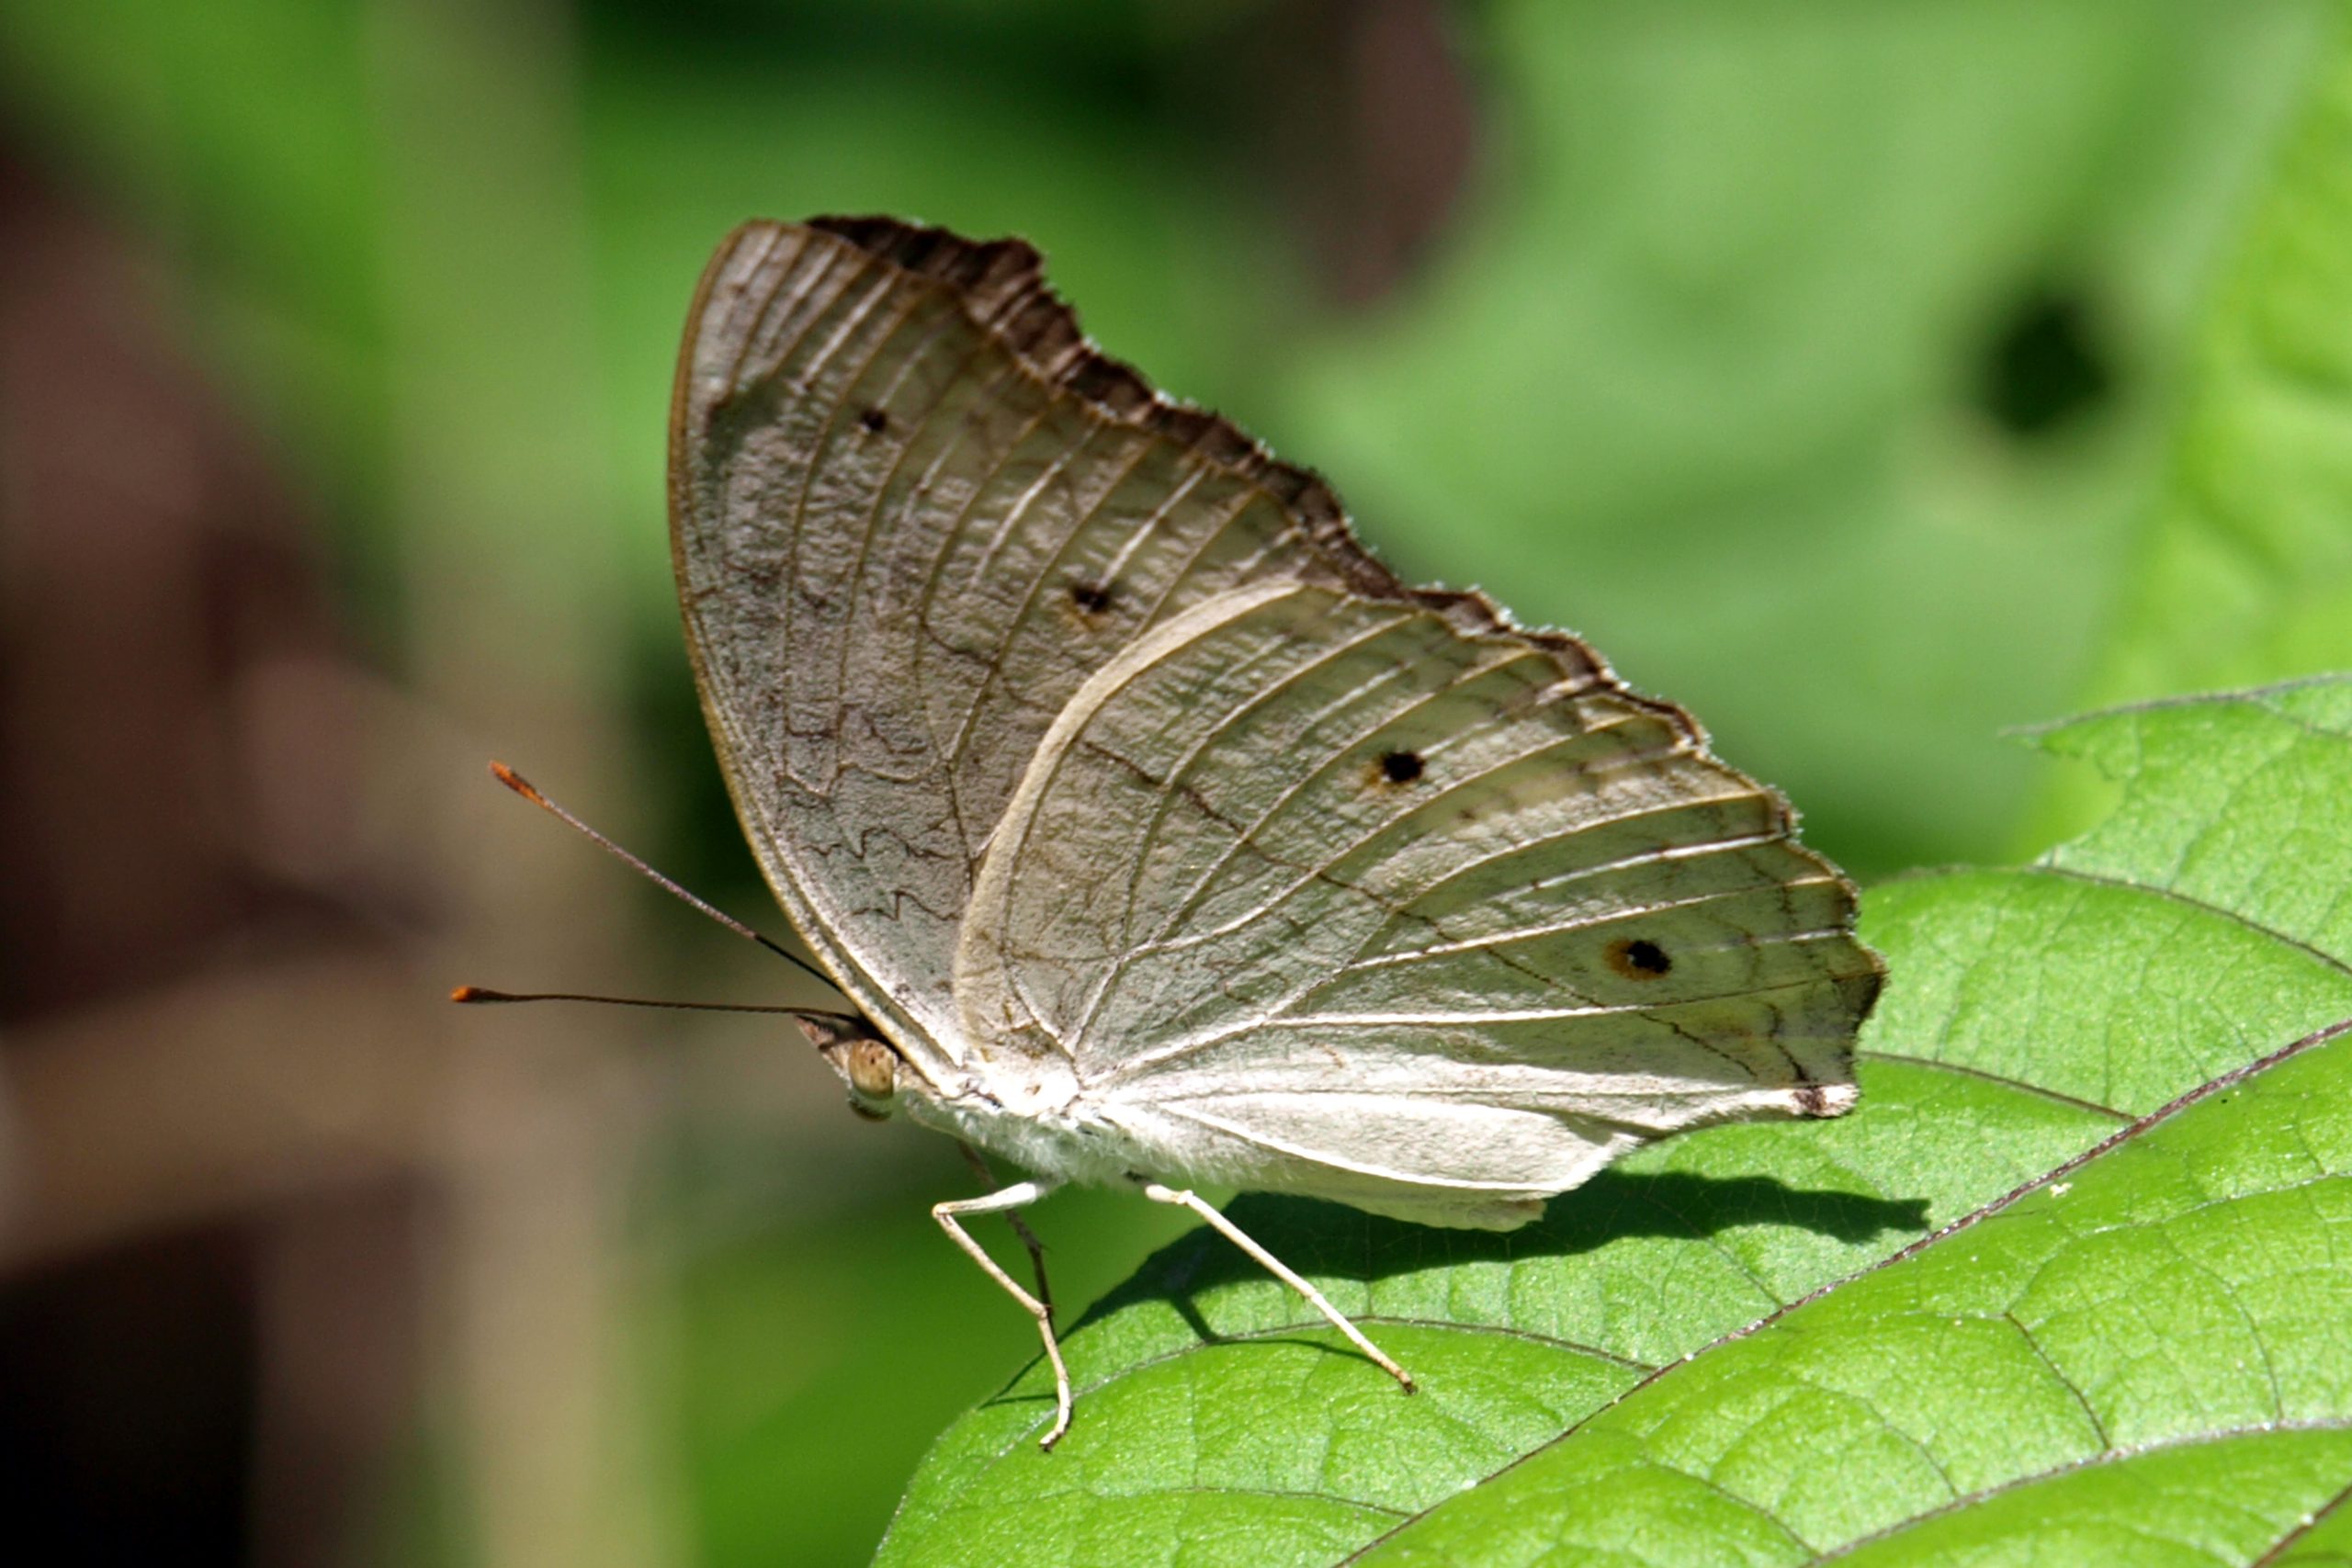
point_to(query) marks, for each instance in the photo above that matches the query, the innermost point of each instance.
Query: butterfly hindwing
(1305, 869)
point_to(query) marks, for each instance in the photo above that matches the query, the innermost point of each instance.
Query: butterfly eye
(871, 1069)
(1639, 959)
(1400, 767)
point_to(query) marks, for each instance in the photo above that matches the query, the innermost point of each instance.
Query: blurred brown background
(1815, 358)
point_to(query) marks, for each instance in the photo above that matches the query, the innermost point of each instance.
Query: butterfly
(1158, 834)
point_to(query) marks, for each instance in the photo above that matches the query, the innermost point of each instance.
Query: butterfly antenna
(484, 994)
(522, 787)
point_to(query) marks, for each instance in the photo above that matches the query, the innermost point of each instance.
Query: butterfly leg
(1035, 1248)
(1020, 1194)
(1279, 1270)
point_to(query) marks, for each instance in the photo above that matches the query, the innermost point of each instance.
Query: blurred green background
(1819, 359)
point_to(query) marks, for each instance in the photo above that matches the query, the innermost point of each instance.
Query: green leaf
(2116, 1086)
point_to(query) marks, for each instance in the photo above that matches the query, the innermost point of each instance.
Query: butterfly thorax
(1037, 1115)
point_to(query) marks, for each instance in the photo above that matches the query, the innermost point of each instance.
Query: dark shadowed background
(1816, 358)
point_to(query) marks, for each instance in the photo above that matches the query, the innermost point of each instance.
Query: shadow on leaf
(1332, 1241)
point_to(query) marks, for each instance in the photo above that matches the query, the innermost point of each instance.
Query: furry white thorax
(1039, 1117)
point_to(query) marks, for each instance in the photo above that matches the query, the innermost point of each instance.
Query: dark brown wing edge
(1000, 286)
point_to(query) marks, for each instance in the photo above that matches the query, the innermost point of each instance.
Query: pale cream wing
(911, 511)
(1376, 898)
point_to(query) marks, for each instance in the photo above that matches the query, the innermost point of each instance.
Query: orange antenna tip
(516, 782)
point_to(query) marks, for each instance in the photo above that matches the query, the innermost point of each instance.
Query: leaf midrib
(2146, 1123)
(2106, 1456)
(2319, 1515)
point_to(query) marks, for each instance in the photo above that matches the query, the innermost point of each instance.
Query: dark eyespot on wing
(1400, 767)
(1639, 958)
(876, 421)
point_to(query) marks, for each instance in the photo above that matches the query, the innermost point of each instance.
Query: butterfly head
(865, 1061)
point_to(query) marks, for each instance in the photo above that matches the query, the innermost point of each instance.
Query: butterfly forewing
(912, 511)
